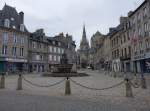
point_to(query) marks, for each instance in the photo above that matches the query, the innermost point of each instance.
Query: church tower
(84, 50)
(84, 45)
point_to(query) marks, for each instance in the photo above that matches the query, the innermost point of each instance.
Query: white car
(89, 67)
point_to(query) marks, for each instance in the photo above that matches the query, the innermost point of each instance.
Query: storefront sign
(139, 57)
(15, 60)
(147, 55)
(2, 59)
(147, 63)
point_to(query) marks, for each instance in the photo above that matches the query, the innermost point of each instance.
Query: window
(22, 40)
(58, 58)
(122, 52)
(22, 51)
(59, 43)
(125, 52)
(129, 49)
(141, 46)
(59, 50)
(55, 58)
(124, 38)
(50, 58)
(41, 57)
(5, 37)
(37, 57)
(139, 16)
(39, 45)
(146, 27)
(14, 51)
(53, 42)
(12, 19)
(4, 49)
(145, 12)
(139, 31)
(62, 51)
(135, 48)
(54, 49)
(121, 40)
(14, 27)
(34, 45)
(22, 27)
(15, 38)
(7, 23)
(147, 43)
(50, 49)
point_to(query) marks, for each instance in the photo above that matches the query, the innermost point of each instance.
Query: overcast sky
(68, 16)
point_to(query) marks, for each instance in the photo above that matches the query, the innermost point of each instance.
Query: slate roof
(15, 18)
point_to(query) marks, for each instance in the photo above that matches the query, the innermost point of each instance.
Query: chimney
(129, 13)
(122, 20)
(21, 14)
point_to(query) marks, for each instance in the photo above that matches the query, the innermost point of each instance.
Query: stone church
(83, 51)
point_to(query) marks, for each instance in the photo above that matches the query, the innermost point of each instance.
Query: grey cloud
(69, 15)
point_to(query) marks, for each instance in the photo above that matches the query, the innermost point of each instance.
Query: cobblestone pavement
(33, 98)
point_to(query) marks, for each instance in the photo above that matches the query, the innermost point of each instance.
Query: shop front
(142, 63)
(15, 65)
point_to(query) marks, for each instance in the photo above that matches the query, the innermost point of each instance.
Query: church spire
(84, 33)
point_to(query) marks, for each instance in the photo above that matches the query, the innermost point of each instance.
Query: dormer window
(7, 23)
(22, 27)
(53, 42)
(59, 44)
(14, 27)
(12, 19)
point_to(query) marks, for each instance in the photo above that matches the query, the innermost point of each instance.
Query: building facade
(115, 34)
(140, 37)
(69, 45)
(56, 49)
(97, 47)
(13, 41)
(125, 45)
(107, 53)
(37, 52)
(44, 52)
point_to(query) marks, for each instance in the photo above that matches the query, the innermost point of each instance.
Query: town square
(74, 55)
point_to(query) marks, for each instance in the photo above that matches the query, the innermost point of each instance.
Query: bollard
(115, 74)
(67, 87)
(136, 79)
(143, 83)
(19, 82)
(2, 82)
(128, 88)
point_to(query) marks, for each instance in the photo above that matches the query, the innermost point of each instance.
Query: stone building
(70, 47)
(83, 51)
(13, 41)
(38, 48)
(115, 34)
(107, 53)
(44, 52)
(125, 45)
(97, 50)
(56, 49)
(139, 21)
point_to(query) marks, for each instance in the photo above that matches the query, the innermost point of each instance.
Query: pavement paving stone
(33, 98)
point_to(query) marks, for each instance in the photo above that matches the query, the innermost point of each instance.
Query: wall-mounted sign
(15, 60)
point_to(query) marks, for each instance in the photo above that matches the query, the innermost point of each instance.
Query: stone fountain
(64, 69)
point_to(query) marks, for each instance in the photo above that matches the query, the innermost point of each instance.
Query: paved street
(33, 98)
